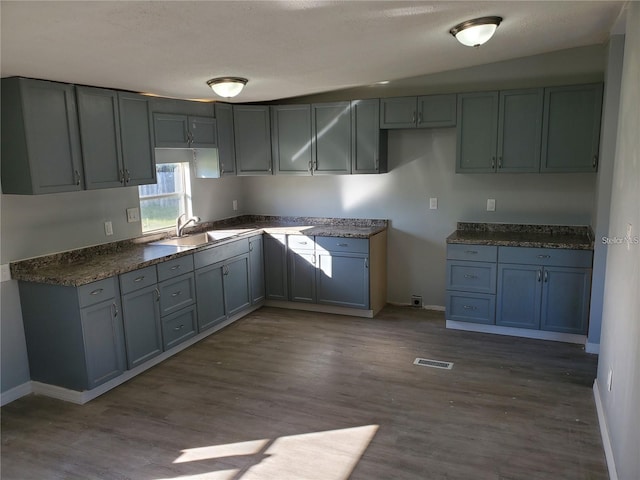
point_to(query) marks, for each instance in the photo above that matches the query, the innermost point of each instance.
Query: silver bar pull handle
(175, 267)
(544, 256)
(468, 275)
(175, 294)
(139, 279)
(175, 329)
(470, 307)
(114, 307)
(546, 276)
(97, 291)
(157, 294)
(539, 275)
(471, 252)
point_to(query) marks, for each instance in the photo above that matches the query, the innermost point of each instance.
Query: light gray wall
(422, 164)
(620, 342)
(610, 111)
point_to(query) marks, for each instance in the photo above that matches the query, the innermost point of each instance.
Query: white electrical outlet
(491, 204)
(235, 205)
(133, 215)
(433, 203)
(610, 379)
(108, 228)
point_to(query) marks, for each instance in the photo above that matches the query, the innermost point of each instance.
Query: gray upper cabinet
(331, 149)
(226, 143)
(40, 139)
(184, 131)
(136, 136)
(477, 129)
(368, 141)
(571, 128)
(519, 130)
(99, 120)
(252, 132)
(428, 111)
(291, 139)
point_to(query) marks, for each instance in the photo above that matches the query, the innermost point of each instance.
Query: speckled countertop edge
(574, 237)
(79, 267)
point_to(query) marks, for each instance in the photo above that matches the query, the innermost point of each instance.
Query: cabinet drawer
(301, 242)
(546, 256)
(138, 279)
(177, 293)
(473, 253)
(340, 244)
(175, 267)
(96, 292)
(221, 253)
(178, 327)
(476, 277)
(471, 307)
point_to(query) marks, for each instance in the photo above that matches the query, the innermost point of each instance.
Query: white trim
(5, 272)
(314, 307)
(517, 332)
(592, 348)
(15, 393)
(604, 433)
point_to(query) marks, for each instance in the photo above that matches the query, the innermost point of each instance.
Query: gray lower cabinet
(428, 111)
(275, 267)
(40, 137)
(331, 145)
(141, 315)
(210, 295)
(236, 284)
(301, 262)
(177, 300)
(343, 279)
(226, 142)
(74, 335)
(252, 136)
(368, 140)
(256, 265)
(291, 139)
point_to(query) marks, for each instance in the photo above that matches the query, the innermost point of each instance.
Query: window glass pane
(159, 213)
(169, 180)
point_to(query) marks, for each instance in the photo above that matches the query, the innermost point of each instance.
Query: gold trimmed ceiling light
(227, 87)
(474, 33)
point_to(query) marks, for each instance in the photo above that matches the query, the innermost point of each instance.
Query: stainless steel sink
(198, 239)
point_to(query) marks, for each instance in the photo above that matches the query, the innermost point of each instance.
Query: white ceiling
(285, 48)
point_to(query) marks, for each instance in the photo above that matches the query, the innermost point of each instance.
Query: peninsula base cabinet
(74, 335)
(545, 289)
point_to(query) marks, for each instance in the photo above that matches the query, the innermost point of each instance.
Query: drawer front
(177, 293)
(301, 242)
(471, 307)
(97, 292)
(175, 267)
(341, 244)
(473, 253)
(138, 279)
(476, 277)
(221, 253)
(178, 327)
(546, 256)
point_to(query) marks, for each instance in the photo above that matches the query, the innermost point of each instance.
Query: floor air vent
(425, 362)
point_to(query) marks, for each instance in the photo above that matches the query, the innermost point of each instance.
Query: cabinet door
(40, 136)
(203, 132)
(136, 134)
(256, 264)
(275, 267)
(171, 131)
(179, 326)
(210, 296)
(103, 341)
(519, 295)
(571, 128)
(291, 139)
(477, 129)
(368, 142)
(331, 124)
(520, 130)
(565, 299)
(142, 328)
(302, 276)
(226, 147)
(436, 111)
(398, 112)
(343, 280)
(99, 119)
(252, 132)
(236, 284)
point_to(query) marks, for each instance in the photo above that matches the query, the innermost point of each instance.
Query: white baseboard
(517, 332)
(592, 348)
(604, 433)
(15, 393)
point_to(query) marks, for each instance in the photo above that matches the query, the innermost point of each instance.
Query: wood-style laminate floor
(283, 394)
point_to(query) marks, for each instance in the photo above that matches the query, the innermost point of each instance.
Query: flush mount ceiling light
(474, 33)
(227, 87)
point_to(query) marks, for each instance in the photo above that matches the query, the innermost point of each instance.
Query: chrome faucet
(180, 226)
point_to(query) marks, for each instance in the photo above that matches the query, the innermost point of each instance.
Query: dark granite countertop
(86, 265)
(518, 235)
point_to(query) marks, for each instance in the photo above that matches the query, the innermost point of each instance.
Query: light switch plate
(491, 204)
(133, 215)
(433, 203)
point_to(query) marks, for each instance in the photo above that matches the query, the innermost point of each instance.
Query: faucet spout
(180, 225)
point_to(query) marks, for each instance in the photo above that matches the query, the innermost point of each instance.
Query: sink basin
(198, 239)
